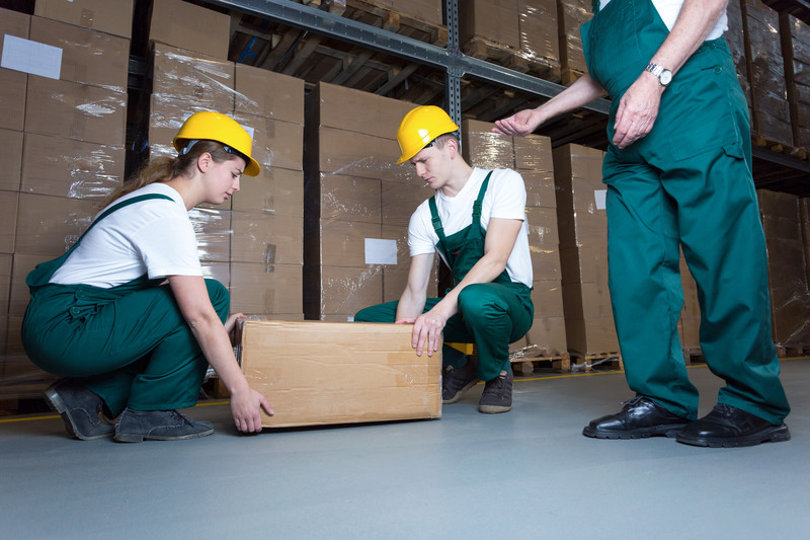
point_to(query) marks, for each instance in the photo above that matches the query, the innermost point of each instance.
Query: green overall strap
(480, 200)
(435, 219)
(40, 275)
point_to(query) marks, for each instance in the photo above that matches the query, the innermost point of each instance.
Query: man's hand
(638, 110)
(427, 332)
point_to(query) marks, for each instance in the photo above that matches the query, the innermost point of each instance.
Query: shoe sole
(138, 437)
(640, 433)
(774, 434)
(494, 409)
(55, 401)
(457, 395)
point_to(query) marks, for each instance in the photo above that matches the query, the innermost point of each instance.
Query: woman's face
(223, 179)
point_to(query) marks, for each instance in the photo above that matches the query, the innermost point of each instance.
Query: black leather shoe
(80, 408)
(727, 427)
(639, 418)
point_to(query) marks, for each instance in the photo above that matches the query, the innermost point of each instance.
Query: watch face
(665, 77)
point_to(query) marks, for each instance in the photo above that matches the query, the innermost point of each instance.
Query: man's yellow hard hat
(420, 127)
(213, 126)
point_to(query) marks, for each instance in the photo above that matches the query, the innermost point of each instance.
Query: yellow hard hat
(212, 126)
(420, 127)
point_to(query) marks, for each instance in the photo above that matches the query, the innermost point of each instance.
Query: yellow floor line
(521, 379)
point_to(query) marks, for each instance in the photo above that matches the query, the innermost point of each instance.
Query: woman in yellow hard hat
(126, 315)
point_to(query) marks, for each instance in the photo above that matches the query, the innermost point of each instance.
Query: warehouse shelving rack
(774, 170)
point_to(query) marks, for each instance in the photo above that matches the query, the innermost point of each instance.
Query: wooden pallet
(527, 359)
(508, 57)
(693, 355)
(788, 351)
(568, 75)
(781, 148)
(587, 362)
(381, 15)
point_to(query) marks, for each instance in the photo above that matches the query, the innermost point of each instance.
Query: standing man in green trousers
(678, 171)
(477, 222)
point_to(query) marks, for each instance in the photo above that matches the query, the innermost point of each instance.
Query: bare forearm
(583, 91)
(411, 304)
(695, 20)
(218, 350)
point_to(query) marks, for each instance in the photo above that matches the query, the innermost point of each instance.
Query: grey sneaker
(80, 408)
(137, 426)
(456, 381)
(497, 395)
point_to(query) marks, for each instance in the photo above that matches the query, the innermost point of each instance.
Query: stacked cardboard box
(190, 27)
(790, 297)
(771, 113)
(531, 157)
(572, 14)
(267, 249)
(735, 36)
(254, 243)
(64, 108)
(689, 323)
(495, 21)
(804, 216)
(357, 203)
(796, 46)
(583, 250)
(538, 29)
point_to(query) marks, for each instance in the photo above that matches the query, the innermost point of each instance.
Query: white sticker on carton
(250, 131)
(31, 57)
(600, 195)
(381, 251)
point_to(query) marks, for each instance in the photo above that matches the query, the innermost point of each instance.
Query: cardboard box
(546, 336)
(267, 239)
(50, 225)
(191, 27)
(275, 143)
(343, 242)
(353, 110)
(316, 373)
(88, 57)
(5, 286)
(68, 168)
(19, 295)
(591, 336)
(571, 15)
(213, 228)
(8, 221)
(185, 78)
(12, 144)
(13, 23)
(267, 289)
(485, 149)
(533, 152)
(399, 201)
(357, 154)
(75, 111)
(493, 20)
(340, 291)
(275, 191)
(538, 30)
(111, 16)
(547, 299)
(261, 92)
(540, 191)
(12, 99)
(350, 198)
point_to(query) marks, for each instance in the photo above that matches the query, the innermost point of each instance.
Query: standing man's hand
(638, 110)
(520, 124)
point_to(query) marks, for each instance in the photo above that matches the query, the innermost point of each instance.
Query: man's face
(431, 165)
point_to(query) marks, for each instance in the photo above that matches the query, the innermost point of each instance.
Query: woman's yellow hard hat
(420, 127)
(213, 126)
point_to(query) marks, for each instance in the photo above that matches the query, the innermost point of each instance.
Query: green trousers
(133, 349)
(491, 315)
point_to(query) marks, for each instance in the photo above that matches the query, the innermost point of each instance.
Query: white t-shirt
(153, 237)
(669, 10)
(505, 198)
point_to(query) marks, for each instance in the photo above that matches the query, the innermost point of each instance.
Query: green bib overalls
(492, 315)
(688, 183)
(129, 344)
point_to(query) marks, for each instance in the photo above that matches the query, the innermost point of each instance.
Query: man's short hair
(442, 139)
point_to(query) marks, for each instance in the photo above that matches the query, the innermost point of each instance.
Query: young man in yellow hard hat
(476, 222)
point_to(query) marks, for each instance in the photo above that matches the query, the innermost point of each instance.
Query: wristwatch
(663, 74)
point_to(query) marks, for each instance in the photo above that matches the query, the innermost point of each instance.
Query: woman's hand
(230, 326)
(246, 410)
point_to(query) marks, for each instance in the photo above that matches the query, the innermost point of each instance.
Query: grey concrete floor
(525, 474)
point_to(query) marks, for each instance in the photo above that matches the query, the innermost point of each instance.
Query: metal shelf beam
(454, 63)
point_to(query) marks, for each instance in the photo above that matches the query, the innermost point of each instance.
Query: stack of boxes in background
(796, 46)
(253, 244)
(771, 114)
(70, 82)
(572, 14)
(531, 156)
(582, 224)
(735, 36)
(787, 278)
(357, 203)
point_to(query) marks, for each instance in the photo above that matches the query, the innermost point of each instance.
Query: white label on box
(381, 251)
(250, 131)
(31, 57)
(600, 195)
